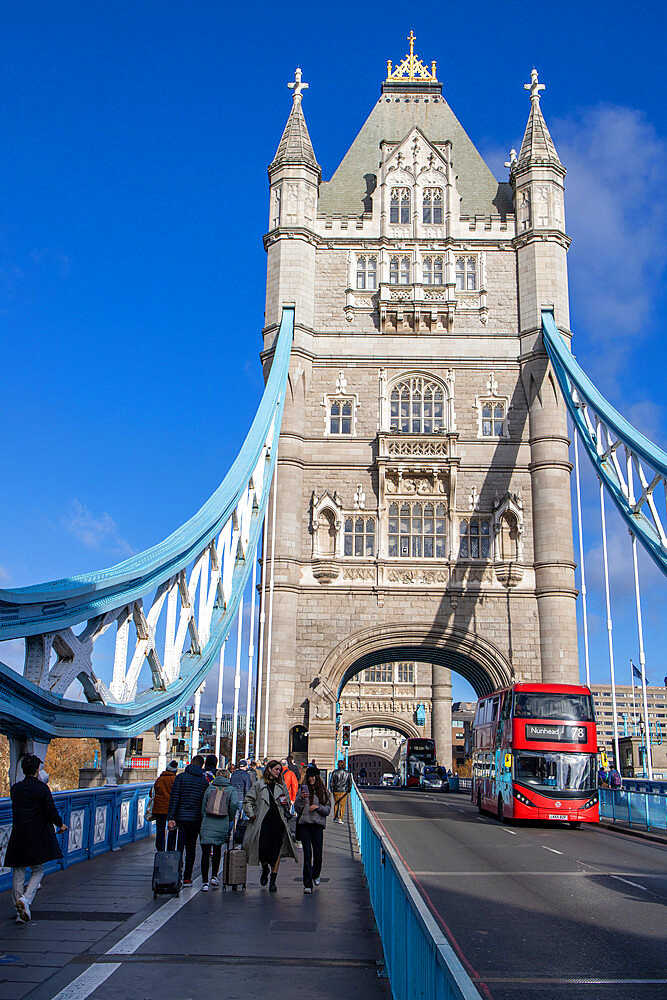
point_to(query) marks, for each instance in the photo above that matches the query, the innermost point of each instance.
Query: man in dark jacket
(32, 841)
(340, 783)
(240, 779)
(184, 811)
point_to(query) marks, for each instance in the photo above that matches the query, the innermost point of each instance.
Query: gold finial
(411, 69)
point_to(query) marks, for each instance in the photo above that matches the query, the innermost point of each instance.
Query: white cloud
(616, 210)
(95, 532)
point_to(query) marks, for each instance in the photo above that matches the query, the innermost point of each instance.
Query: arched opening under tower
(466, 653)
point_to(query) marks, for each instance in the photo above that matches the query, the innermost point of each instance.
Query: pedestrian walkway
(98, 933)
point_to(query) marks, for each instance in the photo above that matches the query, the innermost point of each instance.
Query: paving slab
(244, 944)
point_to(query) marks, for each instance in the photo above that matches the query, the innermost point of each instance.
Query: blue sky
(135, 139)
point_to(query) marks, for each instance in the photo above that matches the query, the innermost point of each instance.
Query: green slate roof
(392, 118)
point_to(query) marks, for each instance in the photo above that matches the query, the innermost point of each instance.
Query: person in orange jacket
(161, 793)
(290, 779)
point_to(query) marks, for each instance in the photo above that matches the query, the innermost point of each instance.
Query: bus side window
(496, 704)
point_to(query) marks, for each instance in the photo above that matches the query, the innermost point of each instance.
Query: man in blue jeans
(184, 811)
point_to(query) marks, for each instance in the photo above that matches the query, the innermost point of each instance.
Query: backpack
(217, 802)
(615, 779)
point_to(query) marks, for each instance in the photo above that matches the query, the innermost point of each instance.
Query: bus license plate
(557, 816)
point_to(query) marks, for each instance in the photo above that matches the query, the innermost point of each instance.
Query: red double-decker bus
(411, 753)
(534, 754)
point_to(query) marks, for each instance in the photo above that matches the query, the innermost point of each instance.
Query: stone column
(441, 714)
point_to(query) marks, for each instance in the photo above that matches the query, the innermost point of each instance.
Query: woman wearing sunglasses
(267, 838)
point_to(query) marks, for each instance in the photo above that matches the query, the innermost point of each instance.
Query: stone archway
(467, 653)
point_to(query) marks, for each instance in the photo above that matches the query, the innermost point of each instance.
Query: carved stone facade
(423, 477)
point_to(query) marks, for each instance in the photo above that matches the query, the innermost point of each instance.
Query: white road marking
(552, 849)
(512, 833)
(628, 882)
(93, 977)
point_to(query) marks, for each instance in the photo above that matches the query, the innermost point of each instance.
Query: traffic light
(346, 736)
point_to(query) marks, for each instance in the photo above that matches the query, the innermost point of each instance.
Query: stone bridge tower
(423, 479)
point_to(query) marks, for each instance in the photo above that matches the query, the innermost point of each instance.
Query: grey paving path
(232, 945)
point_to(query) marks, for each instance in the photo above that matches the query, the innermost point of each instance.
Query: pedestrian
(32, 841)
(312, 808)
(615, 780)
(161, 793)
(267, 838)
(340, 783)
(241, 779)
(184, 811)
(290, 779)
(603, 777)
(210, 766)
(218, 809)
(294, 767)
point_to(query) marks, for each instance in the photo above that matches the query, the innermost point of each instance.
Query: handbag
(148, 811)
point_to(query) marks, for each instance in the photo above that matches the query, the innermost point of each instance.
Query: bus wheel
(575, 824)
(501, 816)
(479, 802)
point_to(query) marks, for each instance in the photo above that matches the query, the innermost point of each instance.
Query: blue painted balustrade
(99, 820)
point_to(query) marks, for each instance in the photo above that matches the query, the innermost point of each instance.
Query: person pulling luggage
(184, 811)
(218, 810)
(161, 793)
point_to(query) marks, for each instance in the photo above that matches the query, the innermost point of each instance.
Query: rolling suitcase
(167, 873)
(235, 865)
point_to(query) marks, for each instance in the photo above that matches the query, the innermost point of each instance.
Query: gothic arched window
(417, 530)
(359, 536)
(399, 205)
(399, 270)
(417, 406)
(367, 272)
(466, 274)
(432, 206)
(493, 419)
(433, 270)
(474, 538)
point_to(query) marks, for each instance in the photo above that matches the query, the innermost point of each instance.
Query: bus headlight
(591, 802)
(522, 799)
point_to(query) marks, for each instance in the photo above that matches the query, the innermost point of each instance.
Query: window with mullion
(466, 274)
(493, 419)
(433, 270)
(399, 206)
(474, 538)
(432, 206)
(417, 406)
(367, 272)
(359, 536)
(417, 530)
(340, 416)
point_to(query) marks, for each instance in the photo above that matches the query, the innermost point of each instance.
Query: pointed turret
(295, 146)
(537, 145)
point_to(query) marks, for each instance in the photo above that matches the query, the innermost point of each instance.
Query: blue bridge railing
(420, 961)
(99, 820)
(638, 804)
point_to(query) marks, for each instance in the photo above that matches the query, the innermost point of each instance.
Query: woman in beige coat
(267, 838)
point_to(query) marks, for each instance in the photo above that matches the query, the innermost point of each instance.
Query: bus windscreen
(544, 705)
(559, 772)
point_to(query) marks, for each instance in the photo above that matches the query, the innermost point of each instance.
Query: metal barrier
(420, 960)
(636, 808)
(99, 820)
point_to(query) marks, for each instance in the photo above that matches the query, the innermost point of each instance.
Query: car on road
(387, 780)
(433, 778)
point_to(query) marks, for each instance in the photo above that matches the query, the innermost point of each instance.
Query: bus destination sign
(556, 733)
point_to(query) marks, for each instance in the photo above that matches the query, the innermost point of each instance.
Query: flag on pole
(635, 672)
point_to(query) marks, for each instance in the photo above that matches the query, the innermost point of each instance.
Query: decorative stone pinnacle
(512, 160)
(411, 69)
(297, 86)
(534, 87)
